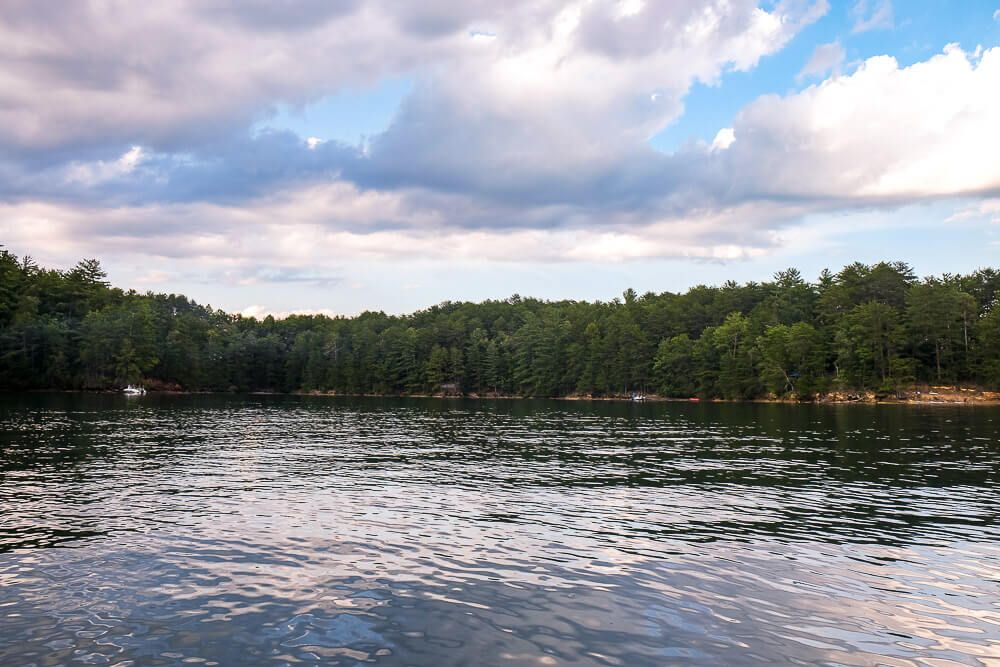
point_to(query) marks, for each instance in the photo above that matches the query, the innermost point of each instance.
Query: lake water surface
(227, 530)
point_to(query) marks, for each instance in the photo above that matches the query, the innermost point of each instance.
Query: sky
(337, 156)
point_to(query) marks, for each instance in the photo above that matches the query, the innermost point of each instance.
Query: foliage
(865, 328)
(792, 360)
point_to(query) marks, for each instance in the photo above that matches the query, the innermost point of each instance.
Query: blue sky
(372, 155)
(352, 115)
(920, 29)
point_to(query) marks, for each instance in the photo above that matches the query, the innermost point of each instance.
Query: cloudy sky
(342, 155)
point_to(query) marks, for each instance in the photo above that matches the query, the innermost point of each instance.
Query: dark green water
(286, 530)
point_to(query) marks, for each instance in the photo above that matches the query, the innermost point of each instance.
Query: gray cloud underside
(543, 127)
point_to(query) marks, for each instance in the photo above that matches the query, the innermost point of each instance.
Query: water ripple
(287, 531)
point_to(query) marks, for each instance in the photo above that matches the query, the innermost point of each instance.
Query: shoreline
(934, 396)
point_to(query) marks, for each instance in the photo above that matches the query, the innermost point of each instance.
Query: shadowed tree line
(875, 328)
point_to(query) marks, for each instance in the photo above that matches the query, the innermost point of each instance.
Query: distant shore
(935, 395)
(924, 396)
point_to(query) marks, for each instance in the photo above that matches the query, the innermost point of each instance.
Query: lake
(283, 530)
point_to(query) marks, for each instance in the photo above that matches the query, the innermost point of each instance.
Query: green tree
(868, 343)
(987, 350)
(939, 318)
(731, 340)
(118, 344)
(674, 367)
(792, 360)
(436, 369)
(864, 327)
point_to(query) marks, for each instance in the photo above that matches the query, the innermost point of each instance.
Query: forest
(874, 328)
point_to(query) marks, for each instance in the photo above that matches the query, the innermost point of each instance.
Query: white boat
(134, 390)
(638, 397)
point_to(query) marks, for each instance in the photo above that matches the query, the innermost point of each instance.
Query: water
(292, 530)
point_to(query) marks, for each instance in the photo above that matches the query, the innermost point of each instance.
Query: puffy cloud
(563, 94)
(286, 237)
(524, 137)
(174, 75)
(724, 138)
(567, 105)
(555, 109)
(883, 133)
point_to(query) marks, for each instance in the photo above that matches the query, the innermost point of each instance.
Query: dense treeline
(873, 328)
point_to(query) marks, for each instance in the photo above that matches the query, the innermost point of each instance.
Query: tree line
(866, 328)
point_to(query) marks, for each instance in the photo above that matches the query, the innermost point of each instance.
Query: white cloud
(724, 138)
(306, 229)
(260, 312)
(825, 59)
(66, 79)
(996, 16)
(539, 115)
(988, 209)
(525, 137)
(871, 15)
(883, 133)
(627, 8)
(100, 171)
(154, 278)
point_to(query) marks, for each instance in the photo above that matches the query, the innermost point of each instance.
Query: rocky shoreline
(922, 396)
(934, 395)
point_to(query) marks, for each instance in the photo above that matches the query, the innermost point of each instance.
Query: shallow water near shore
(288, 530)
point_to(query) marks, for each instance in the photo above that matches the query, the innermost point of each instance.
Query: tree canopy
(868, 327)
